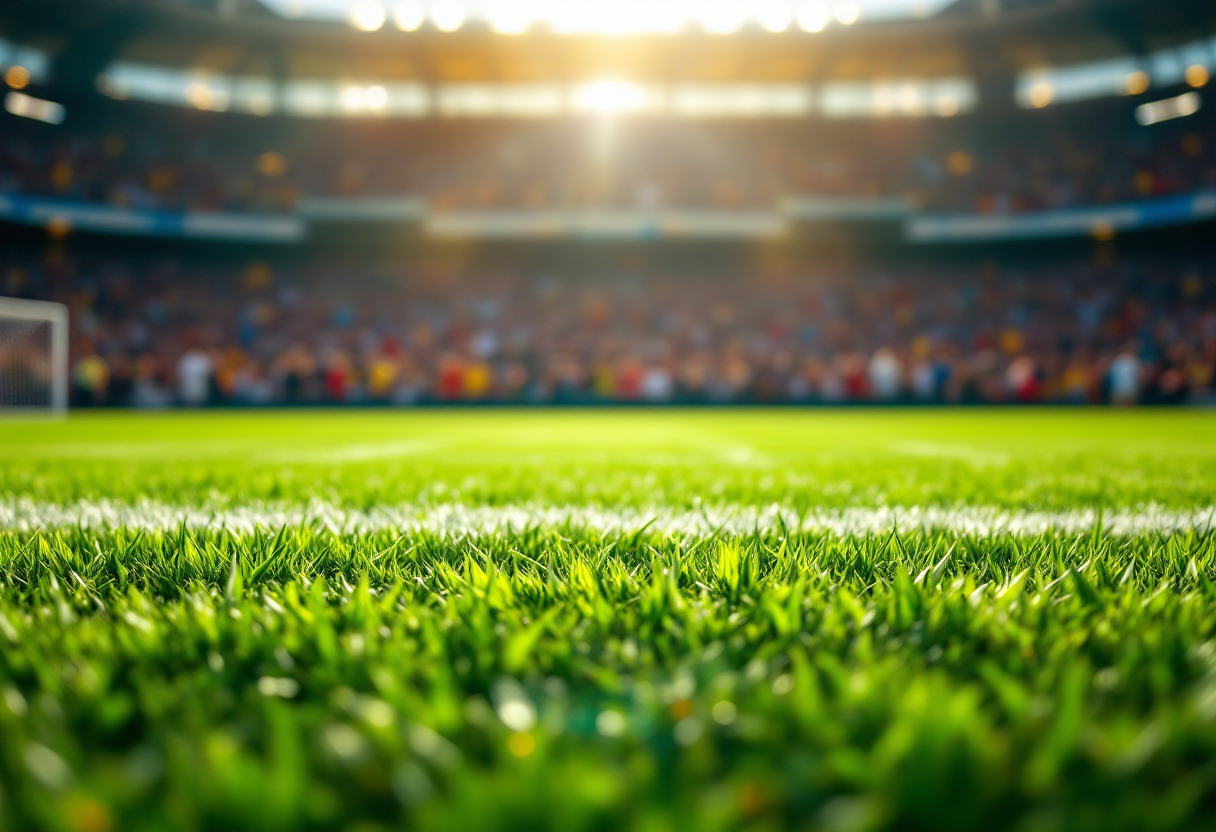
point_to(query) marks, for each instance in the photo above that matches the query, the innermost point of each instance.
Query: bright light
(884, 100)
(200, 95)
(1180, 106)
(848, 13)
(910, 99)
(666, 19)
(616, 17)
(722, 17)
(774, 15)
(813, 16)
(351, 98)
(946, 106)
(1136, 82)
(605, 17)
(569, 19)
(376, 98)
(1197, 75)
(511, 18)
(609, 97)
(448, 15)
(409, 16)
(26, 106)
(513, 100)
(1041, 94)
(367, 16)
(17, 77)
(358, 99)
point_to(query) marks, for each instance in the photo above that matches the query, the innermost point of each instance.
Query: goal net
(33, 357)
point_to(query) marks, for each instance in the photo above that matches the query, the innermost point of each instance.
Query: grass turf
(562, 677)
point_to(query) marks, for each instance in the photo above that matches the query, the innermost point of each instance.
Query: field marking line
(362, 452)
(460, 520)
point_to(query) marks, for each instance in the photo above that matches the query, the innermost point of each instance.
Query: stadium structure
(1006, 181)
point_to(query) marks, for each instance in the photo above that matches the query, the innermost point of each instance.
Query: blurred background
(403, 202)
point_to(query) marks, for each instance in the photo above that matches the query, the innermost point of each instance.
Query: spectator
(194, 378)
(1125, 378)
(885, 375)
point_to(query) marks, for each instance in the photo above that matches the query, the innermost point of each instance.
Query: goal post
(33, 357)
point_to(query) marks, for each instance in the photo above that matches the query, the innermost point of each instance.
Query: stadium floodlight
(605, 17)
(1180, 106)
(813, 16)
(357, 99)
(448, 15)
(26, 106)
(848, 13)
(774, 15)
(409, 15)
(723, 17)
(609, 96)
(367, 15)
(511, 18)
(33, 357)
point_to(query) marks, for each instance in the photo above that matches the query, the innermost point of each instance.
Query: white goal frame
(56, 315)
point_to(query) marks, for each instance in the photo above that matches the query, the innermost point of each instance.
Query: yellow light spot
(258, 276)
(947, 106)
(681, 708)
(521, 744)
(200, 95)
(1137, 82)
(59, 227)
(1041, 94)
(959, 163)
(17, 77)
(272, 164)
(1197, 75)
(1011, 342)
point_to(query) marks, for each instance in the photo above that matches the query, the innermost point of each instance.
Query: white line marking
(356, 453)
(458, 520)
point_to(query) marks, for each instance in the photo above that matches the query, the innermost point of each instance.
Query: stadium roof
(612, 17)
(974, 39)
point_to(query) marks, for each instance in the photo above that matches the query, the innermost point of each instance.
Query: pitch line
(460, 520)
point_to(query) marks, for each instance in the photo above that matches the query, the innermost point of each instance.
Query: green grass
(560, 676)
(1015, 458)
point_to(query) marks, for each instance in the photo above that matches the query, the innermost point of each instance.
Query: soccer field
(471, 619)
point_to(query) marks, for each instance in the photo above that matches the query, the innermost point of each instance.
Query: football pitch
(474, 619)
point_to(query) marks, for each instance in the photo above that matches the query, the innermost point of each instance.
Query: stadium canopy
(611, 17)
(731, 58)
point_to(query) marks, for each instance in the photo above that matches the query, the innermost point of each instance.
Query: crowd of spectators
(1041, 161)
(165, 333)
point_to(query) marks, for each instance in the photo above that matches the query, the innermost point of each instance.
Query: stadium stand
(1063, 161)
(165, 332)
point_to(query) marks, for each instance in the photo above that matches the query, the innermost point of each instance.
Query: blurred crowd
(165, 333)
(1041, 161)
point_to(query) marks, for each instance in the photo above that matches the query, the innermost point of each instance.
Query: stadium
(586, 415)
